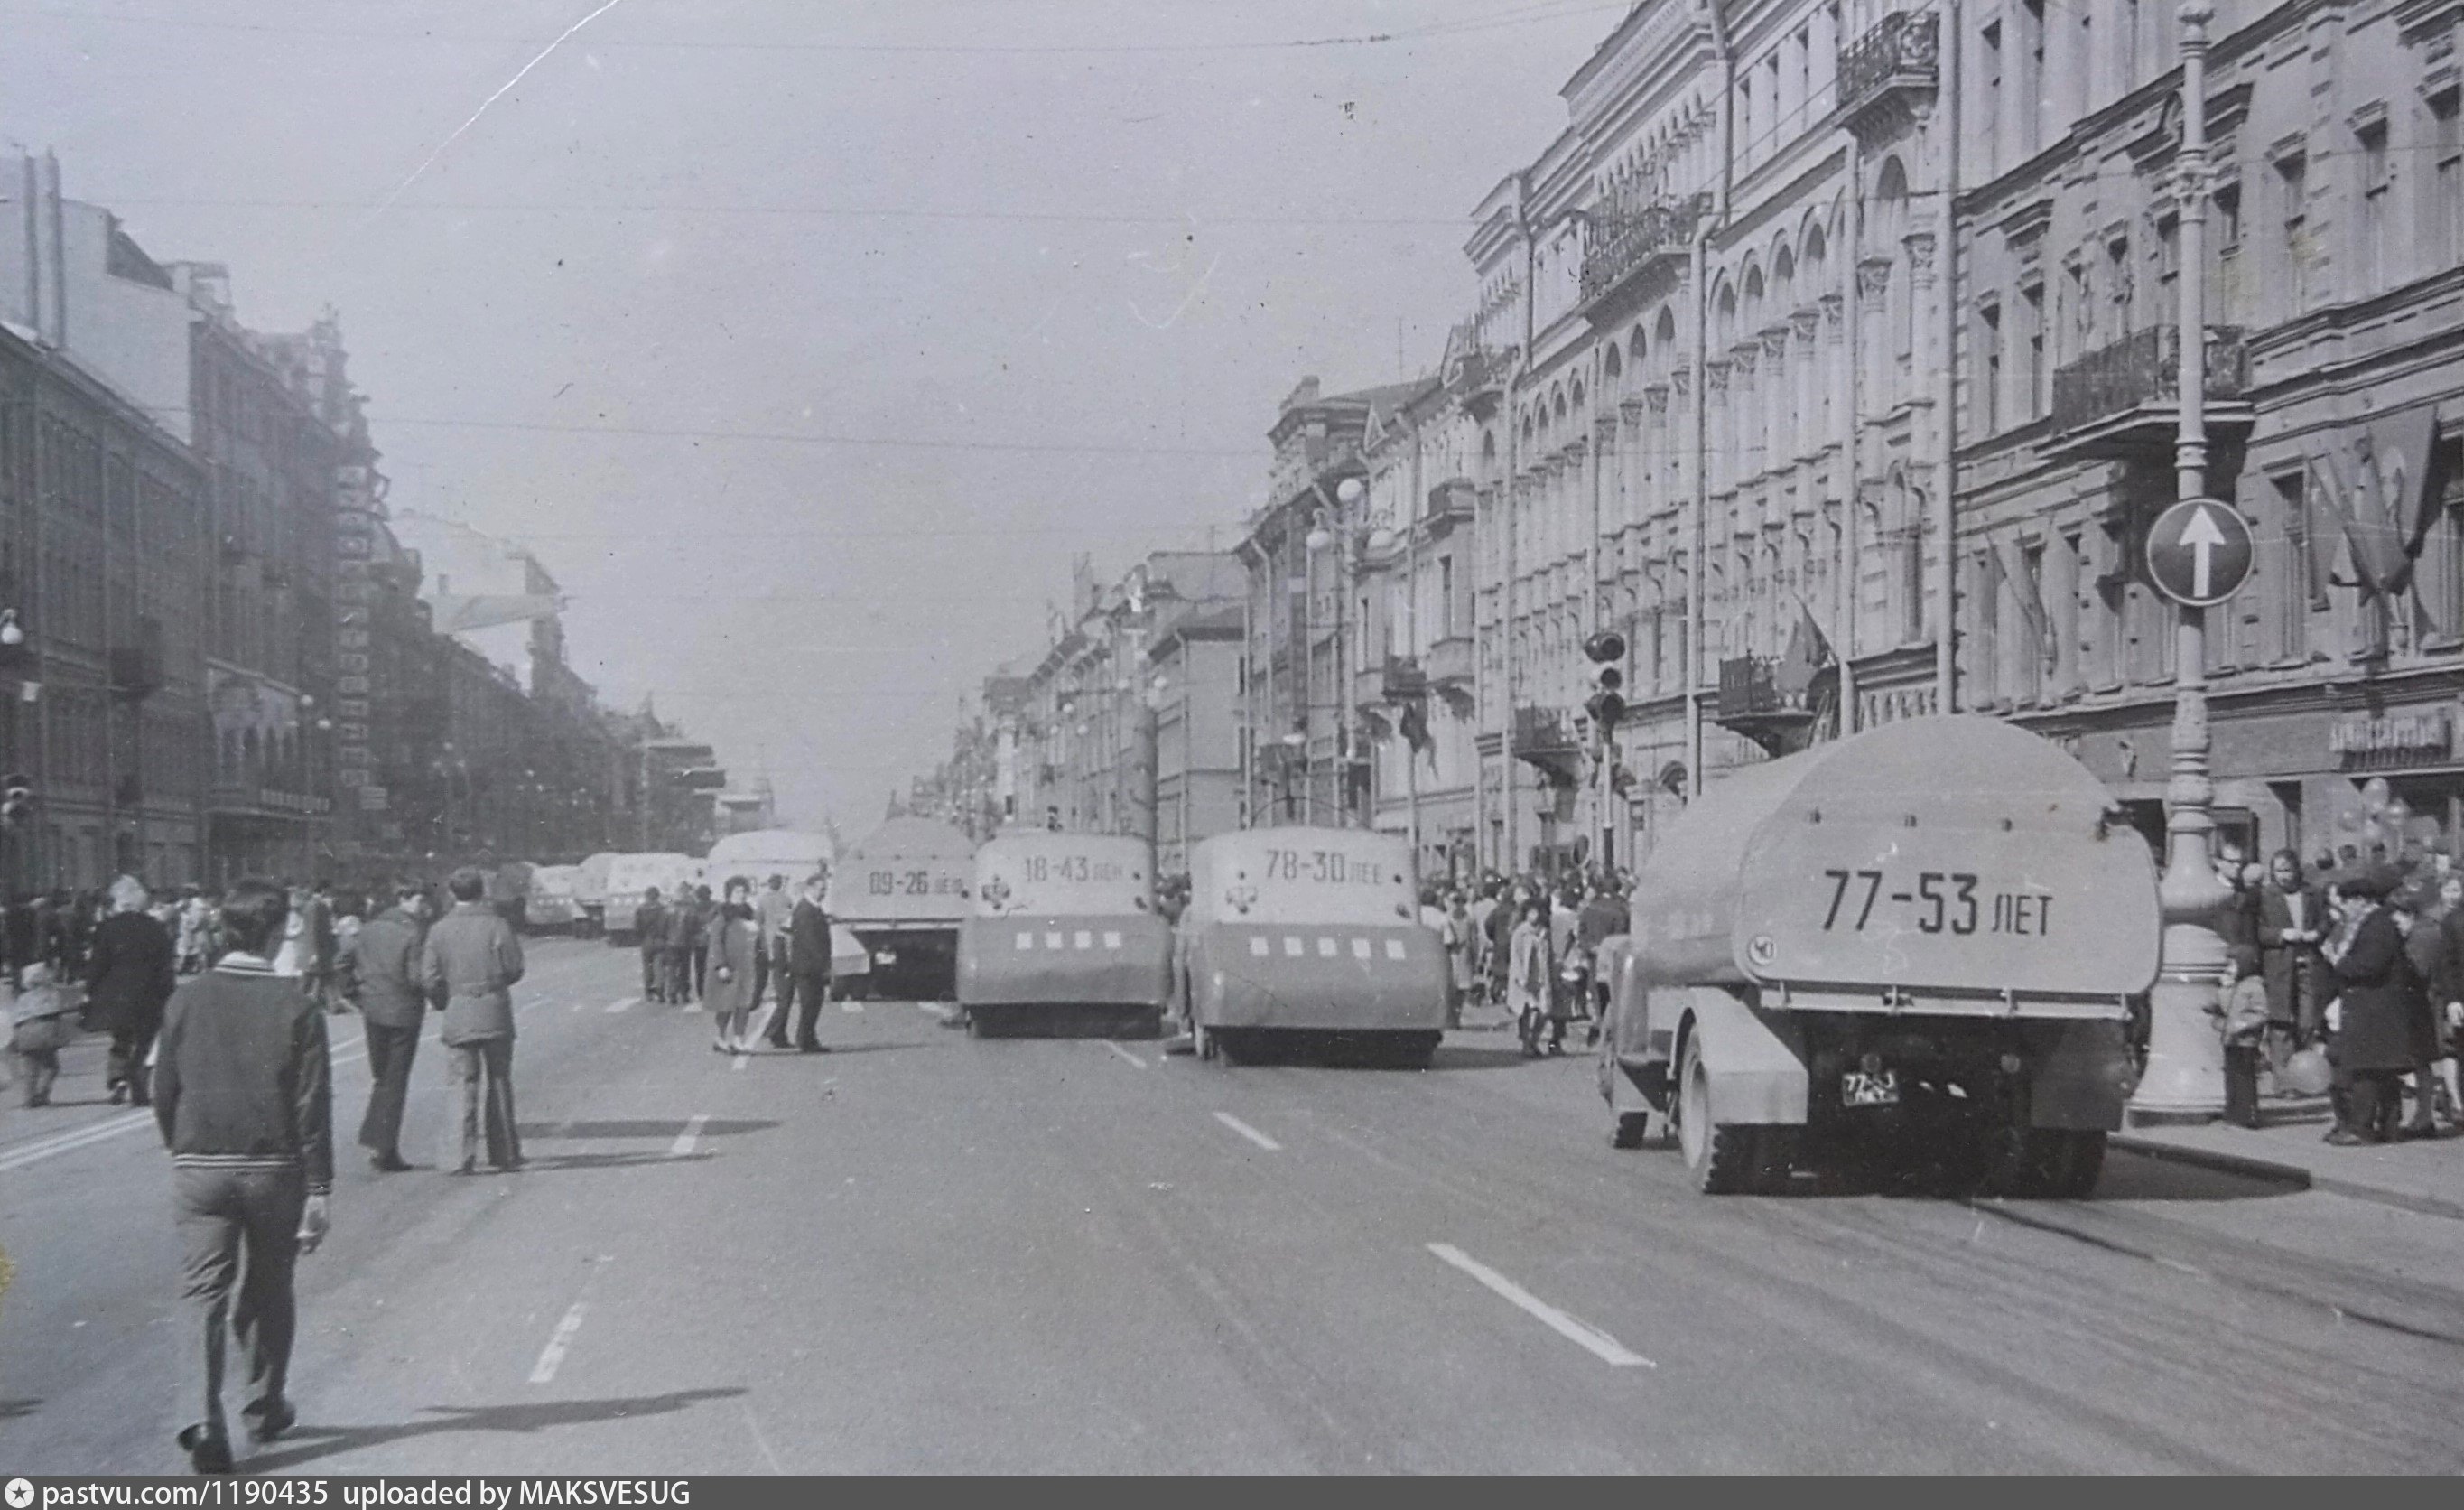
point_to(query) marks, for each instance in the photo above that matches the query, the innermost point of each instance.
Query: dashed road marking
(71, 1141)
(740, 1061)
(851, 1005)
(683, 1146)
(1248, 1132)
(1582, 1334)
(621, 1004)
(552, 1356)
(1126, 1054)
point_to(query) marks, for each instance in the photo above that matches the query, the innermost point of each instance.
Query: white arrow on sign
(2201, 536)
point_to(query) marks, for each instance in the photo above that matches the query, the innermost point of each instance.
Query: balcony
(1632, 234)
(1548, 738)
(2122, 400)
(1882, 71)
(1765, 704)
(1450, 661)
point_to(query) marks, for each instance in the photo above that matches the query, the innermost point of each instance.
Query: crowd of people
(2347, 977)
(1528, 946)
(726, 953)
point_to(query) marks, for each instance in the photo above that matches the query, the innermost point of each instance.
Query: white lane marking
(851, 1005)
(582, 1004)
(1248, 1132)
(742, 1058)
(621, 1003)
(71, 1142)
(558, 1341)
(1582, 1334)
(763, 1441)
(683, 1146)
(1126, 1053)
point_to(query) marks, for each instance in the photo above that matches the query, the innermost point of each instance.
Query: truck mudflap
(1037, 960)
(2082, 1076)
(1318, 976)
(1755, 1058)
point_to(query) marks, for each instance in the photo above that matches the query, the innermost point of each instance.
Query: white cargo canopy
(1065, 875)
(1303, 875)
(760, 853)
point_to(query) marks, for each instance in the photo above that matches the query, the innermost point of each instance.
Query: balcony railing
(1450, 661)
(1749, 688)
(1630, 230)
(1900, 52)
(1545, 735)
(2144, 370)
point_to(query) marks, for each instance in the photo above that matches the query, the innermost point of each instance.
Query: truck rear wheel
(1724, 1158)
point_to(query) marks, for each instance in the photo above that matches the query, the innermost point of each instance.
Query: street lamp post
(2184, 1075)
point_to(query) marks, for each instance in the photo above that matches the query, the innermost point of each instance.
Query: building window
(2168, 269)
(2031, 353)
(2370, 230)
(1989, 125)
(2118, 287)
(2442, 210)
(1446, 597)
(2287, 584)
(2226, 217)
(2293, 241)
(1988, 364)
(2440, 571)
(2032, 81)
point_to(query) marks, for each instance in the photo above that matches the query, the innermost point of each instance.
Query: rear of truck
(1913, 949)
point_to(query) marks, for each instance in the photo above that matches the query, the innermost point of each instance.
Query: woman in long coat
(130, 971)
(2379, 997)
(731, 940)
(1530, 973)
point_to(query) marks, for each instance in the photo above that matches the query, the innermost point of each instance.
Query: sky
(807, 342)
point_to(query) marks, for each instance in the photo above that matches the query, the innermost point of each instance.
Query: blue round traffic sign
(2199, 552)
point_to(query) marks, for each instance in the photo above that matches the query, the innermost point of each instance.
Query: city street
(928, 1253)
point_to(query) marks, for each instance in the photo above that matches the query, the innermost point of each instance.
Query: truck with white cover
(1916, 946)
(629, 878)
(903, 892)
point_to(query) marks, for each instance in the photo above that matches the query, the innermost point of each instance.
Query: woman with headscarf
(130, 972)
(2378, 998)
(732, 937)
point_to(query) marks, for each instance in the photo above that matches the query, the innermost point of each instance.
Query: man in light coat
(393, 999)
(471, 961)
(775, 914)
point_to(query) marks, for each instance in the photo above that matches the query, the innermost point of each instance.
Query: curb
(2291, 1174)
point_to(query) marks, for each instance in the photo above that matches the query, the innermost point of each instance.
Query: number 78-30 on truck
(1913, 948)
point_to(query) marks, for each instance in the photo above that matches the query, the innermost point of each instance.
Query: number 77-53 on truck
(1914, 949)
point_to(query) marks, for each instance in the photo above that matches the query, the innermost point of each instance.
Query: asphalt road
(929, 1253)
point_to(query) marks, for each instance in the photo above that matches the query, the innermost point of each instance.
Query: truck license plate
(1857, 1088)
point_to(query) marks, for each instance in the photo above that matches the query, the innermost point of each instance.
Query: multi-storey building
(102, 546)
(2335, 312)
(275, 445)
(1193, 652)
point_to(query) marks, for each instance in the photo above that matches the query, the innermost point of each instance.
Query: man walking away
(808, 962)
(39, 1028)
(705, 913)
(649, 931)
(318, 944)
(129, 975)
(393, 999)
(471, 961)
(775, 914)
(243, 1096)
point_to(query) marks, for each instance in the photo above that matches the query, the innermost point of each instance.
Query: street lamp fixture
(12, 635)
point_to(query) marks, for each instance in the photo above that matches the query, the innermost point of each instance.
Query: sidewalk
(2426, 1177)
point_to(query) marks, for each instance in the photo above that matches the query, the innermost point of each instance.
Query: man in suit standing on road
(650, 931)
(808, 962)
(393, 1002)
(470, 961)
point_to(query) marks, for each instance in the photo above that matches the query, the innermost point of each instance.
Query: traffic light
(1606, 702)
(17, 800)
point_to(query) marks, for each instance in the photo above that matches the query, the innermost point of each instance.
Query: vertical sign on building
(355, 525)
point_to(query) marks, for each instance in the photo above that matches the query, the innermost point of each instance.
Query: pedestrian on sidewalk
(733, 941)
(650, 934)
(2373, 1044)
(470, 960)
(1463, 940)
(393, 1001)
(243, 1096)
(772, 915)
(808, 960)
(1529, 974)
(2416, 905)
(2291, 918)
(42, 1021)
(130, 974)
(196, 930)
(318, 944)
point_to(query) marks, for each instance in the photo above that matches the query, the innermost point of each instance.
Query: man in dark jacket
(244, 1099)
(393, 1000)
(809, 962)
(129, 975)
(705, 913)
(650, 933)
(469, 961)
(774, 914)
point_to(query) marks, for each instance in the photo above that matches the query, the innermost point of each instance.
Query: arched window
(1612, 365)
(1891, 230)
(1638, 352)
